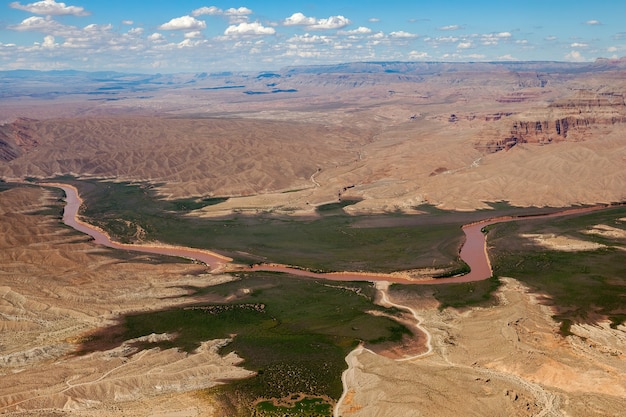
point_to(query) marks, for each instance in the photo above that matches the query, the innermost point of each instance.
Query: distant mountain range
(49, 84)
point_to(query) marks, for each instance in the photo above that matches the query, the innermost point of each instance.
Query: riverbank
(473, 250)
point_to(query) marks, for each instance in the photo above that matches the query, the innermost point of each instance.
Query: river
(473, 252)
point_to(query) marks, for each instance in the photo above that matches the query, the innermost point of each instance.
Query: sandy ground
(55, 287)
(505, 360)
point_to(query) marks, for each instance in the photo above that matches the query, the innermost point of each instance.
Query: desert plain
(391, 138)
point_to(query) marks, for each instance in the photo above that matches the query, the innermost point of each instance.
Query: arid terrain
(392, 136)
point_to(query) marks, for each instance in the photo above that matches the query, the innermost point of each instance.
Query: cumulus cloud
(574, 56)
(418, 55)
(332, 22)
(248, 29)
(402, 35)
(237, 12)
(50, 8)
(234, 15)
(450, 27)
(216, 11)
(183, 23)
(593, 22)
(299, 19)
(212, 10)
(156, 37)
(127, 22)
(309, 39)
(193, 35)
(464, 45)
(361, 30)
(36, 23)
(48, 42)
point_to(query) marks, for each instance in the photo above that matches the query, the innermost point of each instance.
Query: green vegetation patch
(456, 295)
(294, 332)
(333, 242)
(584, 286)
(335, 208)
(306, 407)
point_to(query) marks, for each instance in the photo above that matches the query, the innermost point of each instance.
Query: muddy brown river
(473, 252)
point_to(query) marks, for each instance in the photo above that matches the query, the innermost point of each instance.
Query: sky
(168, 36)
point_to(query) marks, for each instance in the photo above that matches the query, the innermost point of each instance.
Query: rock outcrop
(571, 119)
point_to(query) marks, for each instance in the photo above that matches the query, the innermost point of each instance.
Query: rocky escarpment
(572, 119)
(15, 140)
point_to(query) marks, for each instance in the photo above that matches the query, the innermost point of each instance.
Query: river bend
(473, 252)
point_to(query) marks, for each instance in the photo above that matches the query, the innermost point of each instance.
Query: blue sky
(192, 36)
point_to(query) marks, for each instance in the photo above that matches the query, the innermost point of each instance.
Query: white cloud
(593, 22)
(216, 11)
(213, 11)
(464, 45)
(183, 23)
(309, 39)
(299, 19)
(612, 49)
(578, 45)
(127, 22)
(36, 23)
(248, 29)
(332, 22)
(373, 20)
(97, 28)
(551, 38)
(238, 11)
(418, 55)
(135, 31)
(451, 39)
(50, 8)
(234, 15)
(574, 56)
(361, 30)
(48, 42)
(507, 57)
(450, 27)
(402, 35)
(193, 35)
(156, 37)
